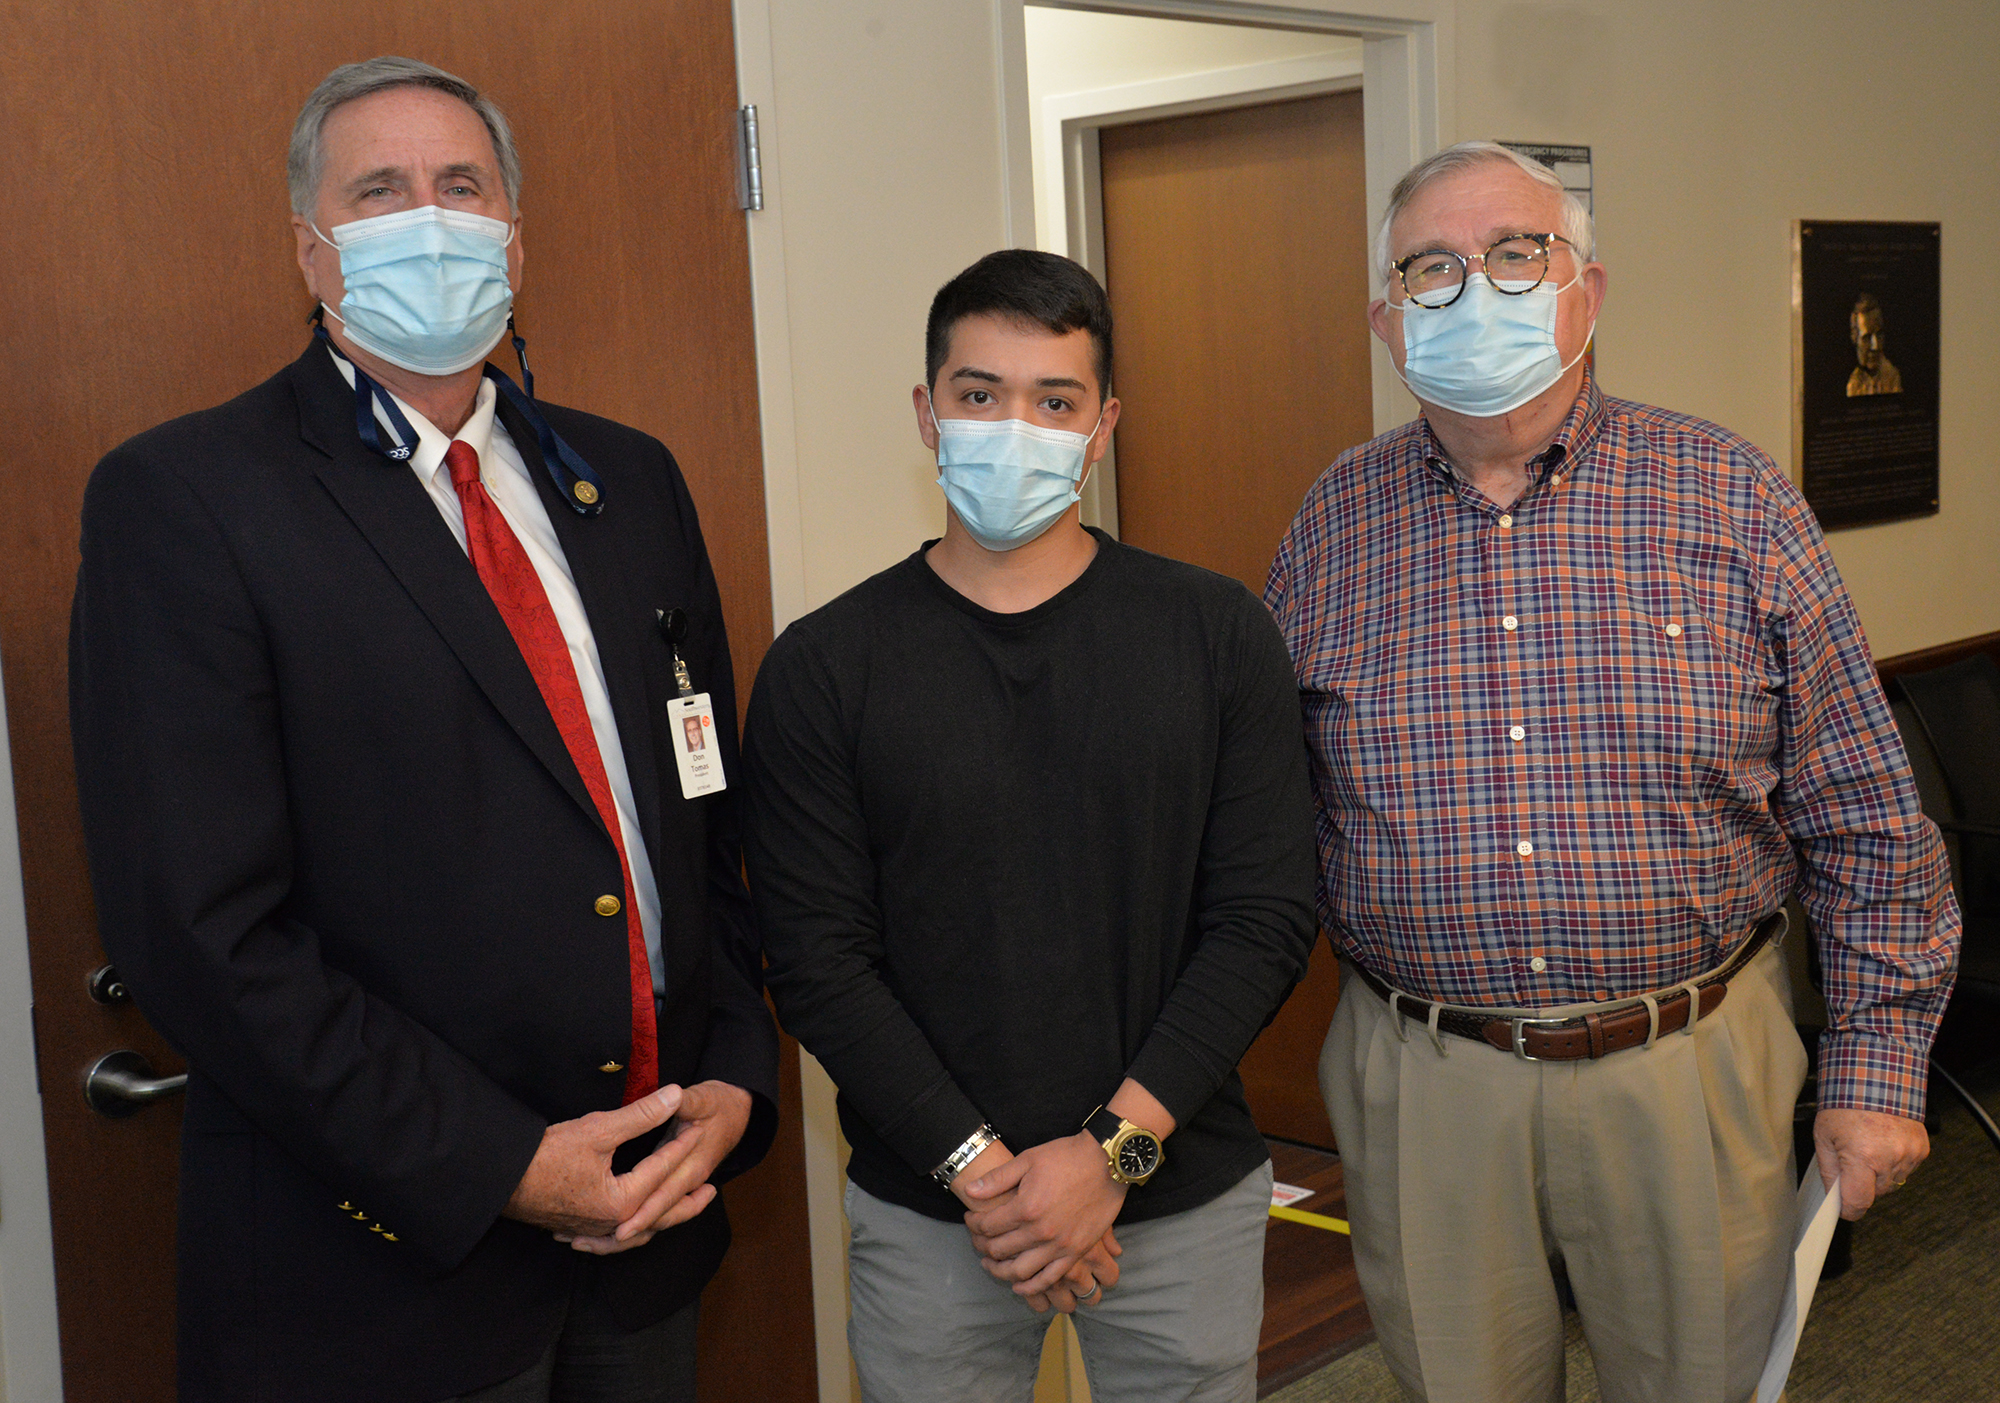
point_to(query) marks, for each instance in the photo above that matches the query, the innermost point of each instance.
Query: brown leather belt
(1626, 1023)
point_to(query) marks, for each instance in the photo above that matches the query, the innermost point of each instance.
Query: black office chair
(1950, 720)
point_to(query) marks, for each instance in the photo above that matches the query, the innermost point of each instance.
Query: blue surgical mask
(427, 288)
(1486, 353)
(1008, 480)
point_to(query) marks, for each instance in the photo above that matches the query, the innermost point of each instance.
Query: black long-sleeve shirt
(1002, 861)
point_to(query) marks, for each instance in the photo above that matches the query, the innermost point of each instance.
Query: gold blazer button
(584, 493)
(612, 1067)
(609, 906)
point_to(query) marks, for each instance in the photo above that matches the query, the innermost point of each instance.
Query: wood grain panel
(151, 274)
(1236, 259)
(1941, 655)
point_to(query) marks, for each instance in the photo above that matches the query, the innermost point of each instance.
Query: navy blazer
(346, 866)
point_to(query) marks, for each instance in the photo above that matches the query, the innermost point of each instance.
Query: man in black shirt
(1030, 837)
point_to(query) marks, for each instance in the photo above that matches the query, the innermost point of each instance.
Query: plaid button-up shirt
(1574, 750)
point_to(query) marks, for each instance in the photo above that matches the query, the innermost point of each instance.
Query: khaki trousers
(1661, 1177)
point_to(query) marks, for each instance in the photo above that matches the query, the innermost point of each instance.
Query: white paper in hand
(1818, 1212)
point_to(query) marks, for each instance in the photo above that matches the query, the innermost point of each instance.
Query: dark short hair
(1031, 287)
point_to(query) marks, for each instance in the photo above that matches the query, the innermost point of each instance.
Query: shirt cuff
(1863, 1071)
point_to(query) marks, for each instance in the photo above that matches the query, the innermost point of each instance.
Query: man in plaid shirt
(1587, 701)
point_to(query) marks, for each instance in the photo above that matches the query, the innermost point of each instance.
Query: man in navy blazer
(396, 899)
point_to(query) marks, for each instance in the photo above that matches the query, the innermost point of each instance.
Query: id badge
(691, 721)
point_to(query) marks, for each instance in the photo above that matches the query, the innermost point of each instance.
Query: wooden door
(1236, 256)
(150, 273)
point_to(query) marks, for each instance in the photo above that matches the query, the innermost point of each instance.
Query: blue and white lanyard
(575, 480)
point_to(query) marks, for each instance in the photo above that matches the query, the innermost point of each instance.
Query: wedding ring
(1082, 1296)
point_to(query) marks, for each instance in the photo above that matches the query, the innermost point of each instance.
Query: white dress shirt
(506, 478)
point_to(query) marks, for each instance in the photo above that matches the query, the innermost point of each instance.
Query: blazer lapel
(389, 506)
(621, 622)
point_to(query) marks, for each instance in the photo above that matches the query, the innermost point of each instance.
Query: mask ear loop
(320, 234)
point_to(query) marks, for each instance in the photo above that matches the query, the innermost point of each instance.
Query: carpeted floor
(1916, 1320)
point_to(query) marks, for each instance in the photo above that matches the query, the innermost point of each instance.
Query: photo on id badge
(700, 767)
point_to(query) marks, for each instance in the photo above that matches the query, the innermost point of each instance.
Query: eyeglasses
(1515, 265)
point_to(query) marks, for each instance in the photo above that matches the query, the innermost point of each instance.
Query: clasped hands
(1041, 1220)
(570, 1189)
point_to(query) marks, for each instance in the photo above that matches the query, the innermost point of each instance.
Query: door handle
(122, 1083)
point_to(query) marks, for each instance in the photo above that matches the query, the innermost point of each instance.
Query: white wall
(883, 175)
(1714, 124)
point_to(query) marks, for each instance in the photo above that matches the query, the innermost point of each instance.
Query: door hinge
(35, 1037)
(749, 167)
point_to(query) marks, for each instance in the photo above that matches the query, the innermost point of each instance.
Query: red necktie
(509, 576)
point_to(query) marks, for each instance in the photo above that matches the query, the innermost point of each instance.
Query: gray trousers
(1661, 1177)
(930, 1326)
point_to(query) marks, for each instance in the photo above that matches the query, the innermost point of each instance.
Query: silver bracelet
(976, 1144)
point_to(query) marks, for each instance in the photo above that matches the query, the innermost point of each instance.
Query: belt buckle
(1520, 1025)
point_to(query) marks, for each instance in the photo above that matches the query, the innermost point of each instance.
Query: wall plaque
(1865, 301)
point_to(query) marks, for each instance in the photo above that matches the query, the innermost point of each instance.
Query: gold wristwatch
(1132, 1151)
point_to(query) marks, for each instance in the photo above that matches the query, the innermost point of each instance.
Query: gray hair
(305, 162)
(1576, 222)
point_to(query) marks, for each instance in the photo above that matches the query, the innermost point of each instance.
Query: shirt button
(1673, 630)
(1507, 522)
(1518, 733)
(1510, 623)
(608, 906)
(1538, 964)
(1525, 848)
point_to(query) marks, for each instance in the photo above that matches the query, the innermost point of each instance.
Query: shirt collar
(1579, 430)
(427, 459)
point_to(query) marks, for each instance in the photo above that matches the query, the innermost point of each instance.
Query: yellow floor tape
(1311, 1220)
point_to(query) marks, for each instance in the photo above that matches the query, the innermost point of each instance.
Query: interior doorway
(1217, 179)
(1235, 254)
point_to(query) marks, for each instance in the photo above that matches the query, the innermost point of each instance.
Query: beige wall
(1713, 124)
(881, 133)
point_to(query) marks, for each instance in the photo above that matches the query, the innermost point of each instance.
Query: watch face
(1138, 1156)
